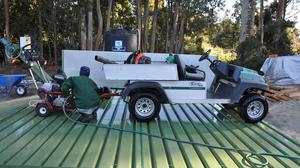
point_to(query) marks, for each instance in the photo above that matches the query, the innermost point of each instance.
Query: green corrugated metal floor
(29, 140)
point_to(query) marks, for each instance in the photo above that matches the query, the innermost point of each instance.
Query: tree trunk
(261, 22)
(139, 15)
(174, 27)
(280, 10)
(100, 26)
(154, 20)
(6, 15)
(279, 19)
(108, 14)
(167, 21)
(179, 48)
(54, 34)
(244, 21)
(90, 26)
(252, 15)
(50, 59)
(83, 29)
(167, 36)
(39, 2)
(146, 21)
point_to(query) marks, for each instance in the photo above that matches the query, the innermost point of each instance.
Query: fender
(244, 87)
(146, 87)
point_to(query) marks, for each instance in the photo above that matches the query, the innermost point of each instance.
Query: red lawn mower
(53, 99)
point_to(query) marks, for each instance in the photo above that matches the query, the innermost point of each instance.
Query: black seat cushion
(233, 73)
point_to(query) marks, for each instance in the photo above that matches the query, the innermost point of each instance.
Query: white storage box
(164, 72)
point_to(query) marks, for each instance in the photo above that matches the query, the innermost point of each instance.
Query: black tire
(144, 106)
(21, 90)
(42, 110)
(253, 108)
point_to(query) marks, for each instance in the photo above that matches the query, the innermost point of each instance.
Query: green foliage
(228, 35)
(123, 15)
(193, 44)
(250, 54)
(280, 43)
(22, 15)
(284, 45)
(203, 29)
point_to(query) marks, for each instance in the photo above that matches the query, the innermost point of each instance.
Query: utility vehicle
(150, 85)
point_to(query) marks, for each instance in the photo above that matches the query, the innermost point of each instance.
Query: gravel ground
(286, 117)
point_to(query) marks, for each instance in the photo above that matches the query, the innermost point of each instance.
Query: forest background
(246, 34)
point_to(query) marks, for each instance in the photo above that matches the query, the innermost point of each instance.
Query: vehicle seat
(180, 68)
(228, 72)
(233, 73)
(194, 76)
(183, 74)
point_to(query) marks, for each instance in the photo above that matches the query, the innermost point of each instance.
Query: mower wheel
(144, 106)
(21, 90)
(253, 108)
(42, 110)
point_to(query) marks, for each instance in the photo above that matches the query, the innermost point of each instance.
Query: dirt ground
(286, 117)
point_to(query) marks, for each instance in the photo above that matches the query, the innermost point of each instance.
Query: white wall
(74, 59)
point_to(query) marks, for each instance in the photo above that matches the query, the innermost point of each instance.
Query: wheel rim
(144, 107)
(20, 90)
(43, 110)
(255, 109)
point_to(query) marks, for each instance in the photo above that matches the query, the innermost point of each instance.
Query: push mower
(53, 99)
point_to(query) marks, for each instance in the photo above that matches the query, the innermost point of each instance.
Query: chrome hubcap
(20, 90)
(43, 110)
(144, 107)
(255, 109)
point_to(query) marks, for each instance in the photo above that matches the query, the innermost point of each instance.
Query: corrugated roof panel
(55, 141)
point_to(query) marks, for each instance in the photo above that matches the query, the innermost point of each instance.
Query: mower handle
(23, 48)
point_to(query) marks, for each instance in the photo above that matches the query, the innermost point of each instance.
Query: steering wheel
(205, 55)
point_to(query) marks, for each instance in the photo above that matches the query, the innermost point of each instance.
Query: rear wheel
(21, 90)
(144, 106)
(42, 110)
(253, 108)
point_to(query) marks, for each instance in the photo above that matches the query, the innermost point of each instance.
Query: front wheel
(253, 108)
(144, 106)
(42, 110)
(21, 90)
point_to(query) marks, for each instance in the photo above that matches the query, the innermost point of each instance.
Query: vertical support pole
(33, 78)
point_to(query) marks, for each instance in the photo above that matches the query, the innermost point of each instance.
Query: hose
(255, 159)
(32, 103)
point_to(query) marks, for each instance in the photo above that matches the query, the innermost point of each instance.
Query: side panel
(235, 92)
(184, 91)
